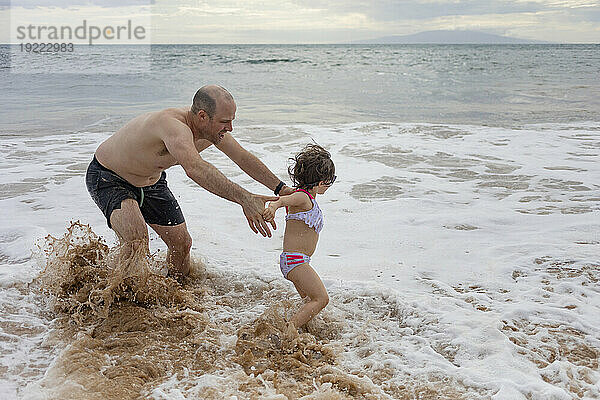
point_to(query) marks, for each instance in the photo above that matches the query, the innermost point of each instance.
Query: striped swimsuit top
(313, 217)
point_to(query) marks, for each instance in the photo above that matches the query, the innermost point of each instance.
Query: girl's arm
(298, 199)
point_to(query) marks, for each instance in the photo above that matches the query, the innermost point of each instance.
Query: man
(127, 178)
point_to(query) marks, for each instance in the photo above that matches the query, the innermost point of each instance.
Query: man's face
(221, 122)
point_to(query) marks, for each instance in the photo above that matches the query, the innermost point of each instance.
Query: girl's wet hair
(311, 166)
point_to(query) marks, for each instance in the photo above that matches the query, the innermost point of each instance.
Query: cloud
(588, 14)
(74, 3)
(293, 21)
(385, 10)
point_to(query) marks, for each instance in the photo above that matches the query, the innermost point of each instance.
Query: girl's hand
(269, 213)
(253, 210)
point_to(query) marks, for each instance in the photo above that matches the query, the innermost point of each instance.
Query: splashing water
(129, 333)
(83, 274)
(123, 331)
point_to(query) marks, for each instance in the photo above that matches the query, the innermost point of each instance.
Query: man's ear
(203, 116)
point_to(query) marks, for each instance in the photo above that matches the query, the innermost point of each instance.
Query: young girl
(313, 173)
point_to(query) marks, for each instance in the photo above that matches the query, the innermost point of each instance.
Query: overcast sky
(316, 21)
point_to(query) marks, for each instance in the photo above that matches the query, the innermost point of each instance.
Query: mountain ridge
(449, 37)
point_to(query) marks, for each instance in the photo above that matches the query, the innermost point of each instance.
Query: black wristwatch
(278, 188)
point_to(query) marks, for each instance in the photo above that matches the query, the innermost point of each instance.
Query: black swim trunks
(108, 190)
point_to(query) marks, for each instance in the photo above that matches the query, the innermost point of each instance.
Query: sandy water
(462, 262)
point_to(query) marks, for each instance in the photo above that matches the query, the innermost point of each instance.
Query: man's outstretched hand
(253, 210)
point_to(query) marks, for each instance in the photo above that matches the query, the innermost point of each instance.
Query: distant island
(449, 37)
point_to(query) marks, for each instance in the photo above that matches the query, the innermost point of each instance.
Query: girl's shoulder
(299, 201)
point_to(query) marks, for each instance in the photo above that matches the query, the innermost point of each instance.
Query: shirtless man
(127, 178)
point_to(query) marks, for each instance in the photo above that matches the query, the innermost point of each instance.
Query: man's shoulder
(169, 115)
(171, 120)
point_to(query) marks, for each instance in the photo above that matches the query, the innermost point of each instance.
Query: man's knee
(182, 244)
(132, 236)
(135, 245)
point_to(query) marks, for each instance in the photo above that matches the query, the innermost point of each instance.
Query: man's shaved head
(207, 97)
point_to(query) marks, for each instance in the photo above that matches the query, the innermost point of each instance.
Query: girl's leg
(308, 283)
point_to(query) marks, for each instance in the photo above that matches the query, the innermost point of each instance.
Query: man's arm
(179, 142)
(180, 145)
(249, 163)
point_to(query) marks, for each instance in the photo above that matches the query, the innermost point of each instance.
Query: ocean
(461, 246)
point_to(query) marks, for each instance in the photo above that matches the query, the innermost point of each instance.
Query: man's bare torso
(137, 153)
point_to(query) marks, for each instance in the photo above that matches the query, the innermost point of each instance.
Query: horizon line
(314, 43)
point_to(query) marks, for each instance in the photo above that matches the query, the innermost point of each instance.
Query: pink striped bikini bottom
(288, 260)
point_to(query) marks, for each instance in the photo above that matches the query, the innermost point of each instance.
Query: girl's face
(321, 188)
(324, 185)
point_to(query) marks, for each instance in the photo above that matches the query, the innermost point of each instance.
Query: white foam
(455, 229)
